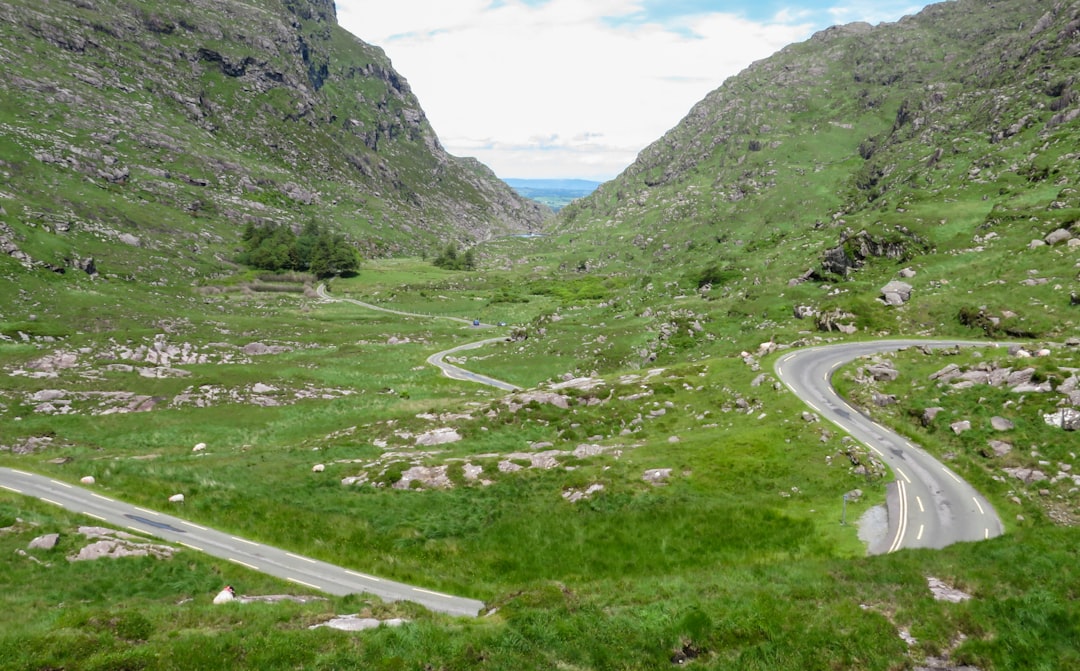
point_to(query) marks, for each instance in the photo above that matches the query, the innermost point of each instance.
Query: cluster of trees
(316, 250)
(451, 260)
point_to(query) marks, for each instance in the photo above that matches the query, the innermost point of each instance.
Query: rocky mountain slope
(169, 125)
(945, 142)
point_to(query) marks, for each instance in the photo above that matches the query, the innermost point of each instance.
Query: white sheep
(226, 595)
(318, 468)
(176, 498)
(199, 447)
(87, 480)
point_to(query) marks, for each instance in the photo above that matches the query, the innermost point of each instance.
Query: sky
(576, 88)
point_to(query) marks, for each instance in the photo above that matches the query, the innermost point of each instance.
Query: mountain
(555, 193)
(173, 124)
(945, 141)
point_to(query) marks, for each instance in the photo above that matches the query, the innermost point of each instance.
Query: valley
(623, 475)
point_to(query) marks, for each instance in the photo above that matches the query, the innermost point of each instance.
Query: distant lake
(555, 193)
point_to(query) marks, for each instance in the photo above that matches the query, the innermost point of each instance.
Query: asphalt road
(295, 568)
(929, 505)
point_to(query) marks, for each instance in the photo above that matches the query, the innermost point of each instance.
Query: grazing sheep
(176, 498)
(318, 468)
(226, 595)
(199, 447)
(87, 480)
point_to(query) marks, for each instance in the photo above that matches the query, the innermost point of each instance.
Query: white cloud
(559, 89)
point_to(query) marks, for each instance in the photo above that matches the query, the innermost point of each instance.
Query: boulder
(46, 542)
(1058, 236)
(999, 448)
(960, 427)
(883, 372)
(1001, 424)
(929, 414)
(896, 293)
(656, 476)
(438, 437)
(1064, 418)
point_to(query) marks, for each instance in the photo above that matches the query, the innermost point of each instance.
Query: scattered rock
(1064, 418)
(883, 372)
(1001, 424)
(1058, 236)
(929, 414)
(425, 477)
(896, 293)
(1026, 475)
(46, 542)
(656, 476)
(438, 437)
(999, 447)
(575, 495)
(944, 592)
(354, 622)
(960, 427)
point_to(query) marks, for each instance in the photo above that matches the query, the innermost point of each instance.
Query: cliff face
(863, 115)
(225, 112)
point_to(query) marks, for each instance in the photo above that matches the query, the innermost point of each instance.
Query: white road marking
(951, 474)
(835, 365)
(243, 540)
(245, 564)
(986, 533)
(901, 527)
(22, 472)
(189, 545)
(427, 591)
(192, 525)
(310, 561)
(62, 484)
(814, 407)
(978, 505)
(99, 496)
(136, 530)
(919, 537)
(361, 575)
(904, 475)
(10, 489)
(52, 502)
(148, 512)
(919, 501)
(301, 582)
(880, 453)
(96, 517)
(787, 358)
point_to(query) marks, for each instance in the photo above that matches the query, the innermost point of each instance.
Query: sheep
(176, 498)
(87, 480)
(318, 468)
(226, 595)
(199, 447)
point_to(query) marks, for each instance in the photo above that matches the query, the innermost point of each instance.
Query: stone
(883, 400)
(1027, 475)
(929, 414)
(960, 427)
(656, 476)
(1064, 418)
(46, 542)
(883, 372)
(1001, 424)
(1058, 236)
(896, 293)
(354, 622)
(944, 592)
(438, 437)
(999, 448)
(907, 273)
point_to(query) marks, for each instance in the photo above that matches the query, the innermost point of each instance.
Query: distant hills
(555, 193)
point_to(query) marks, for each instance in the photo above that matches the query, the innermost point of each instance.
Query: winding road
(929, 505)
(448, 369)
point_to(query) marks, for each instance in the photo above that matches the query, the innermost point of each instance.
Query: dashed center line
(919, 536)
(301, 582)
(951, 474)
(978, 505)
(919, 501)
(904, 475)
